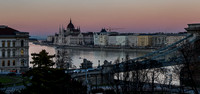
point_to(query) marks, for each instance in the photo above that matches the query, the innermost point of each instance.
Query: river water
(94, 56)
(77, 55)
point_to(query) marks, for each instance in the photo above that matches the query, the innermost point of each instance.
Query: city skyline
(44, 17)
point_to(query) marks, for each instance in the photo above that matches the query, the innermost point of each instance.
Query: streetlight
(98, 64)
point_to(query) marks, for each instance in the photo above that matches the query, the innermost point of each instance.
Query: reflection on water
(37, 48)
(77, 55)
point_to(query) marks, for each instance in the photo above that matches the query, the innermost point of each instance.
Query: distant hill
(33, 39)
(38, 37)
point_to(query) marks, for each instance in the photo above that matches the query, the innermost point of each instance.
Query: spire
(62, 27)
(70, 20)
(59, 29)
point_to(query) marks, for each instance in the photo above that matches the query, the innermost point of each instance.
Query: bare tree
(190, 54)
(63, 59)
(125, 85)
(163, 79)
(117, 75)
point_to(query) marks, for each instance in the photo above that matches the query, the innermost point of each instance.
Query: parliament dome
(70, 25)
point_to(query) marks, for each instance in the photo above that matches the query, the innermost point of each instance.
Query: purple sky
(43, 17)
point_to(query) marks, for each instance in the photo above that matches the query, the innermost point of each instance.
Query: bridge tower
(194, 29)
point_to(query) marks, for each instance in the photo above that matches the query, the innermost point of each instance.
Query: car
(83, 70)
(77, 71)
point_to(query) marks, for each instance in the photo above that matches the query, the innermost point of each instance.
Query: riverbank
(106, 49)
(98, 48)
(92, 54)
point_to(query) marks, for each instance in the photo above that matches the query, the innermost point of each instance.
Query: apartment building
(14, 50)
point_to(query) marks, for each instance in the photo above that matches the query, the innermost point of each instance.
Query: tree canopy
(51, 81)
(46, 80)
(42, 59)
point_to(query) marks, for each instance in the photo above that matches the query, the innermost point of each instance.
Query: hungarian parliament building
(71, 36)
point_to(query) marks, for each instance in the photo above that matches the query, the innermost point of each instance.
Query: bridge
(166, 56)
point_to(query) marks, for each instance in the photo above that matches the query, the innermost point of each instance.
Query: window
(3, 63)
(13, 53)
(8, 62)
(8, 52)
(3, 53)
(22, 52)
(3, 43)
(13, 43)
(22, 43)
(8, 44)
(13, 62)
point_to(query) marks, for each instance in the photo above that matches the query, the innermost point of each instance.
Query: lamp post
(98, 64)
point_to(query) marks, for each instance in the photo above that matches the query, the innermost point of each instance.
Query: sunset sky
(43, 17)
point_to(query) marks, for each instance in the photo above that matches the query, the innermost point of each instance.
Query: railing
(16, 56)
(155, 55)
(172, 50)
(83, 74)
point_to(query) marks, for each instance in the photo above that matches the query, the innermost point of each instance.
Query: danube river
(92, 55)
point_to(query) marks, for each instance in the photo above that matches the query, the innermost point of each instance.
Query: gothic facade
(72, 36)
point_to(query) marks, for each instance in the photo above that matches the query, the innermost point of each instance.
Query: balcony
(15, 46)
(17, 56)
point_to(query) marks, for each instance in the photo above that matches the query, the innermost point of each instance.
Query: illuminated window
(13, 62)
(8, 62)
(3, 43)
(3, 63)
(22, 52)
(8, 44)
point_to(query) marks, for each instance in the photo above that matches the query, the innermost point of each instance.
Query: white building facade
(112, 40)
(101, 38)
(172, 38)
(14, 50)
(132, 40)
(159, 40)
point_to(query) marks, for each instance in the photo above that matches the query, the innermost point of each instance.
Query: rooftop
(194, 24)
(193, 27)
(5, 30)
